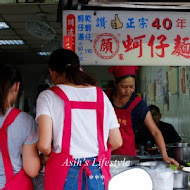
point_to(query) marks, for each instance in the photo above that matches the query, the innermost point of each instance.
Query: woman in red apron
(19, 159)
(75, 120)
(131, 111)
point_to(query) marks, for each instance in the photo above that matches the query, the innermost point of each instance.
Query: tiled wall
(177, 110)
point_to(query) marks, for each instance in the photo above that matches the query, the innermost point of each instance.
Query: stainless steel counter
(39, 180)
(183, 189)
(145, 157)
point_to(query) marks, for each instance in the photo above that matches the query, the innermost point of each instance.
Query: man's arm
(157, 135)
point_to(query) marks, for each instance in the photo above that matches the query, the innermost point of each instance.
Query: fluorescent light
(11, 42)
(4, 25)
(42, 53)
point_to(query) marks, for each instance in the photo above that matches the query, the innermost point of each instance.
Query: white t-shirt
(84, 141)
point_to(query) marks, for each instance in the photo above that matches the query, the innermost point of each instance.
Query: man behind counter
(168, 131)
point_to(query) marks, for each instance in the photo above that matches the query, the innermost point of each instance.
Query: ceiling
(16, 15)
(34, 68)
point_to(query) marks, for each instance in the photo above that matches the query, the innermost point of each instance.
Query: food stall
(110, 35)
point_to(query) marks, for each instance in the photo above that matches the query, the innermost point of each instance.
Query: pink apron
(126, 129)
(56, 171)
(19, 181)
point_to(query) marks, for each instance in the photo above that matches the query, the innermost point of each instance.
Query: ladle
(149, 155)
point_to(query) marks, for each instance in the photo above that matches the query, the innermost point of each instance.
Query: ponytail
(63, 60)
(78, 77)
(8, 77)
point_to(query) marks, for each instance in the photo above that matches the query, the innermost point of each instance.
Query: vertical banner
(69, 39)
(68, 42)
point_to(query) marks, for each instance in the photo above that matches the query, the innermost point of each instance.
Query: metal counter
(145, 157)
(38, 181)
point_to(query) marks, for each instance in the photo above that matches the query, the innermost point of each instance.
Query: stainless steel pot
(180, 179)
(179, 151)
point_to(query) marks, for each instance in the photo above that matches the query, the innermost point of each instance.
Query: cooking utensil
(150, 155)
(141, 149)
(179, 151)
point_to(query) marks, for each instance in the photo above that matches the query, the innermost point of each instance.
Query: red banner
(69, 41)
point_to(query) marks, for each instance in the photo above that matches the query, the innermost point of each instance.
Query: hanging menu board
(142, 38)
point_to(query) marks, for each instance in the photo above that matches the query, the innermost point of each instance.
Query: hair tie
(68, 65)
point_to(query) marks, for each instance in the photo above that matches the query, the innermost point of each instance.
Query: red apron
(56, 170)
(126, 128)
(20, 181)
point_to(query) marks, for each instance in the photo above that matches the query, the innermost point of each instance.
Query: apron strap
(67, 119)
(100, 120)
(4, 144)
(98, 105)
(134, 103)
(87, 171)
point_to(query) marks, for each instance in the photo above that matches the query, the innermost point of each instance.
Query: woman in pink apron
(19, 159)
(131, 111)
(75, 120)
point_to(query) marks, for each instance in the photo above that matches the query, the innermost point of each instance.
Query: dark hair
(8, 76)
(153, 107)
(63, 60)
(118, 80)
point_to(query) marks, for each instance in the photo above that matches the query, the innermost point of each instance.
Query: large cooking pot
(179, 151)
(120, 163)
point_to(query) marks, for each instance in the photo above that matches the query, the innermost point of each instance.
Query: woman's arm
(31, 160)
(115, 138)
(45, 134)
(157, 135)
